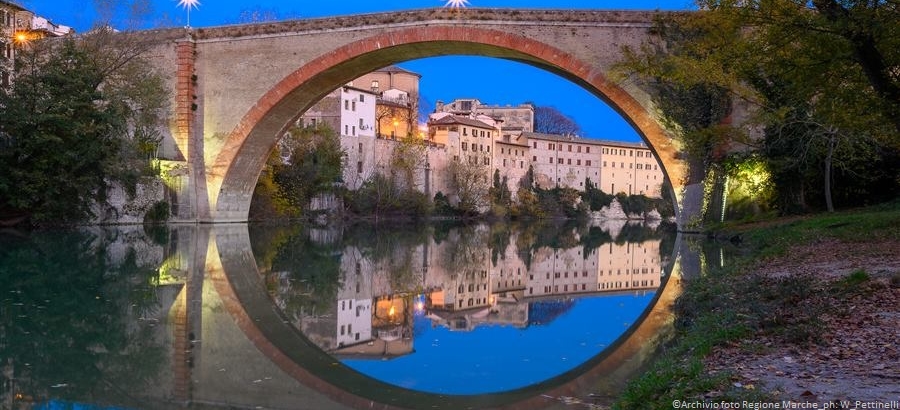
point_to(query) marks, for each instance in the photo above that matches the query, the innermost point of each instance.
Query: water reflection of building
(629, 266)
(371, 317)
(464, 286)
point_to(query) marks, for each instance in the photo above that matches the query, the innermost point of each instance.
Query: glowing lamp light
(188, 5)
(391, 312)
(21, 37)
(456, 3)
(420, 306)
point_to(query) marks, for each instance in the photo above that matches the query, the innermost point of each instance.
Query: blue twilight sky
(500, 80)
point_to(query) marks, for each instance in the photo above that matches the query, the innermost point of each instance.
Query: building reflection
(461, 283)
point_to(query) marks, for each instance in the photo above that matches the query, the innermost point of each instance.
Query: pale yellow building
(511, 159)
(630, 168)
(564, 161)
(465, 139)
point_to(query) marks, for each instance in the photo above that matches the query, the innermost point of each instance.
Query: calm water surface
(424, 316)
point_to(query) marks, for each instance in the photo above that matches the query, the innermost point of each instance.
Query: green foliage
(158, 213)
(594, 197)
(817, 76)
(313, 267)
(442, 205)
(89, 109)
(528, 205)
(407, 158)
(468, 180)
(382, 196)
(54, 123)
(315, 164)
(499, 191)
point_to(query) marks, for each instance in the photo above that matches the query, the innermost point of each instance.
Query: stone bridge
(238, 88)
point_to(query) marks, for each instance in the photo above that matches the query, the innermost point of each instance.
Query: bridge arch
(230, 266)
(232, 176)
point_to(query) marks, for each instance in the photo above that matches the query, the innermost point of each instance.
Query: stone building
(515, 119)
(564, 161)
(18, 26)
(630, 168)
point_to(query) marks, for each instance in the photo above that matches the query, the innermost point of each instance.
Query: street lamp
(188, 4)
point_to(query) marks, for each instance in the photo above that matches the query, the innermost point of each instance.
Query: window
(362, 98)
(587, 162)
(570, 147)
(360, 147)
(587, 150)
(359, 167)
(353, 105)
(552, 147)
(579, 148)
(465, 132)
(535, 144)
(346, 129)
(354, 130)
(346, 104)
(630, 153)
(534, 158)
(465, 146)
(559, 160)
(640, 154)
(578, 162)
(569, 161)
(361, 124)
(504, 162)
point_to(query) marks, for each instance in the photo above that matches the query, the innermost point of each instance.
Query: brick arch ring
(246, 148)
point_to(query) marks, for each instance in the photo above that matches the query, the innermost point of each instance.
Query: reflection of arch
(231, 267)
(236, 168)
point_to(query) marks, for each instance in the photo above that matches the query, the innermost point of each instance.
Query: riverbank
(807, 310)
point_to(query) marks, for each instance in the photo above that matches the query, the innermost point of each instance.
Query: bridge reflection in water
(254, 323)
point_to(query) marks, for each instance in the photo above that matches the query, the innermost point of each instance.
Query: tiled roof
(580, 140)
(396, 69)
(455, 119)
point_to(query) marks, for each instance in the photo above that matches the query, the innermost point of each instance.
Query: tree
(469, 180)
(817, 73)
(499, 191)
(549, 120)
(315, 164)
(53, 123)
(409, 156)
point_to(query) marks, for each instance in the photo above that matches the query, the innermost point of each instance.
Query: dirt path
(852, 351)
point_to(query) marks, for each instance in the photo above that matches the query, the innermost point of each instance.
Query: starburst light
(456, 3)
(188, 5)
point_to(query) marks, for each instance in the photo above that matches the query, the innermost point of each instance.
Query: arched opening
(232, 177)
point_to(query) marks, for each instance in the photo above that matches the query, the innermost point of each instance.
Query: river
(440, 315)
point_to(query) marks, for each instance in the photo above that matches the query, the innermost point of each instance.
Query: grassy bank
(744, 307)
